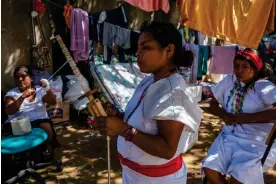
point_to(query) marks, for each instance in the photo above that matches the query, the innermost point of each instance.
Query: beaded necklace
(239, 96)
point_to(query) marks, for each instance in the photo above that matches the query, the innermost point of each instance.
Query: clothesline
(59, 6)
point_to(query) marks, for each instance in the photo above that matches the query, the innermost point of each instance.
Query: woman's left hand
(229, 119)
(111, 126)
(243, 118)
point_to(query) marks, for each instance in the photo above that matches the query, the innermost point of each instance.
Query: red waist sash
(154, 170)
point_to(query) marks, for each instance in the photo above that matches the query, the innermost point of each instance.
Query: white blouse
(166, 99)
(33, 110)
(259, 98)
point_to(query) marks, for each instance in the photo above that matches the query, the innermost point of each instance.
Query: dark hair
(27, 69)
(165, 34)
(266, 72)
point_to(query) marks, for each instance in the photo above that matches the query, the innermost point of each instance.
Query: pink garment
(79, 34)
(151, 5)
(222, 59)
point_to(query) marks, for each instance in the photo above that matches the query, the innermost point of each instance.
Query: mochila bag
(41, 58)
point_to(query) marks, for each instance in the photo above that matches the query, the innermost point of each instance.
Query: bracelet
(130, 133)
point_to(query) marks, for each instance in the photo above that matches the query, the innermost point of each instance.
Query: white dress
(165, 99)
(238, 149)
(33, 110)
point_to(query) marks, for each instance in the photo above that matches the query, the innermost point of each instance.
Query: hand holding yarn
(27, 93)
(45, 84)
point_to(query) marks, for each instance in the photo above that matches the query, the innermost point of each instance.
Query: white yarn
(45, 84)
(34, 13)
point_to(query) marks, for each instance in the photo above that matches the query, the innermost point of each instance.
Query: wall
(16, 37)
(16, 28)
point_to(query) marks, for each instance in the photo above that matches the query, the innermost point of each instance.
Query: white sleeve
(12, 93)
(268, 92)
(167, 102)
(219, 89)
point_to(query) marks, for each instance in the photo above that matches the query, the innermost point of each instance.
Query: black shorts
(36, 123)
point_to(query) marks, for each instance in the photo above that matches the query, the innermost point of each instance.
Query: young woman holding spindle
(151, 131)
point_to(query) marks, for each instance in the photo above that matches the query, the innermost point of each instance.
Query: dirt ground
(84, 157)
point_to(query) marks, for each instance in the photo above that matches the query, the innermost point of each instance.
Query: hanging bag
(41, 57)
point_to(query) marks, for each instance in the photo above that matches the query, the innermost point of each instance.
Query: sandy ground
(84, 157)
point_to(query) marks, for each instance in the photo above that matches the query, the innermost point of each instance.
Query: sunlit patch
(67, 135)
(12, 61)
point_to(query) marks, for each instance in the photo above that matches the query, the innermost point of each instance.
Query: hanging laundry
(182, 33)
(206, 40)
(115, 16)
(194, 68)
(240, 22)
(67, 14)
(222, 59)
(193, 35)
(79, 34)
(93, 21)
(113, 34)
(134, 36)
(151, 5)
(189, 35)
(203, 57)
(202, 39)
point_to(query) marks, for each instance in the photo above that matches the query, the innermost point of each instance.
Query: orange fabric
(154, 170)
(67, 14)
(241, 22)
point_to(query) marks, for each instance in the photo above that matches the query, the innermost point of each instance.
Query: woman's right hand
(28, 92)
(110, 109)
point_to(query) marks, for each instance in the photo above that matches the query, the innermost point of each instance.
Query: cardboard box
(59, 113)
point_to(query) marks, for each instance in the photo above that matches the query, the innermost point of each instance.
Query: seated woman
(152, 133)
(29, 101)
(248, 106)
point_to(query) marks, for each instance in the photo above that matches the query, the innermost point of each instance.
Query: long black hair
(266, 72)
(165, 34)
(28, 70)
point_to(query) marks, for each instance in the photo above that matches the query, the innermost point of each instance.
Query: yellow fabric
(240, 22)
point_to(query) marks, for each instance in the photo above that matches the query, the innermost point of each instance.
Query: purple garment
(222, 59)
(79, 34)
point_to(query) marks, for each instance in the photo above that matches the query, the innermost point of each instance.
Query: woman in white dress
(152, 133)
(248, 106)
(30, 101)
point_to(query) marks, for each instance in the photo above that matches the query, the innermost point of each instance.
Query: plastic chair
(22, 156)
